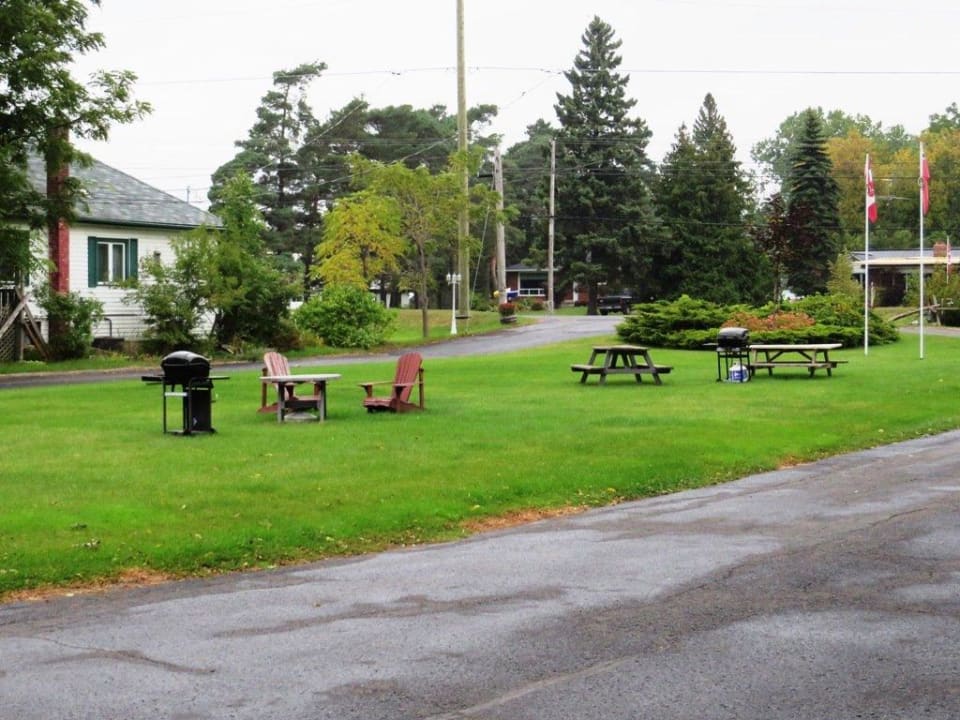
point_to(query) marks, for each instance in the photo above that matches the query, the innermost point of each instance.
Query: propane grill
(733, 353)
(186, 375)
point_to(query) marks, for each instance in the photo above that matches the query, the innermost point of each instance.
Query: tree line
(367, 196)
(696, 223)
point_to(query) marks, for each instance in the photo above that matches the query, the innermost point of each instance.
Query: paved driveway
(547, 329)
(830, 590)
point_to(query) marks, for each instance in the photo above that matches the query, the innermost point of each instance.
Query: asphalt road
(547, 329)
(829, 590)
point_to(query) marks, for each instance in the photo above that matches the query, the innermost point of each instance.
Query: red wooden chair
(276, 364)
(409, 374)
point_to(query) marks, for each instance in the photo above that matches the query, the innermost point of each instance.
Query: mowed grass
(90, 488)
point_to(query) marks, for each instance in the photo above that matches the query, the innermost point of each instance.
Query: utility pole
(501, 242)
(553, 184)
(463, 225)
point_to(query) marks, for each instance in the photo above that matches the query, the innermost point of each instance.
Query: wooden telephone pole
(553, 183)
(501, 241)
(463, 224)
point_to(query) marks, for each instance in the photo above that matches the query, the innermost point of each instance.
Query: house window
(111, 260)
(532, 284)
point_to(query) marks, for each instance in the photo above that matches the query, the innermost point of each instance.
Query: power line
(558, 72)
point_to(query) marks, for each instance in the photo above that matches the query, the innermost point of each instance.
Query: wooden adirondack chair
(276, 364)
(409, 374)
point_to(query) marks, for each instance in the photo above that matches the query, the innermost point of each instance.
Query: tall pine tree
(269, 156)
(703, 196)
(607, 229)
(703, 201)
(813, 213)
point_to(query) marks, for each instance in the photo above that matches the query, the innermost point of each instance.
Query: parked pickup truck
(621, 302)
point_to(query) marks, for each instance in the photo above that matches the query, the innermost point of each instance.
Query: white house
(121, 221)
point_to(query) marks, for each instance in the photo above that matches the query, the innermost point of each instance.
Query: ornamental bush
(682, 323)
(693, 324)
(71, 318)
(774, 321)
(345, 317)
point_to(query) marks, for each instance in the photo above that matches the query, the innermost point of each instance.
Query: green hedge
(691, 324)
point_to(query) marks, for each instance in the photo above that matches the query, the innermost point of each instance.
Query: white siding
(126, 318)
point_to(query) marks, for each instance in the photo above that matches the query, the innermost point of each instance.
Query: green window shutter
(133, 260)
(91, 262)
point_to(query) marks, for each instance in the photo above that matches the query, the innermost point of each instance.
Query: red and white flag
(924, 182)
(871, 198)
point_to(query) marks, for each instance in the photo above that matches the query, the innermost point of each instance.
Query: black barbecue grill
(191, 374)
(733, 352)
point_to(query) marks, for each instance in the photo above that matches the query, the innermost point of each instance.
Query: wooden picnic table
(320, 383)
(621, 360)
(812, 357)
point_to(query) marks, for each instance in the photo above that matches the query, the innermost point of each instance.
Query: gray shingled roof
(115, 198)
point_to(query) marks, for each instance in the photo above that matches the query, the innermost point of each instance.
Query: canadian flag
(924, 181)
(871, 198)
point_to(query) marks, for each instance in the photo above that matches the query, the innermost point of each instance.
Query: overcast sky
(205, 64)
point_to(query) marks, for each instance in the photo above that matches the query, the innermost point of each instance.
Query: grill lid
(733, 337)
(183, 366)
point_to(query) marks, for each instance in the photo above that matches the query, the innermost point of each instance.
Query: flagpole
(922, 191)
(866, 261)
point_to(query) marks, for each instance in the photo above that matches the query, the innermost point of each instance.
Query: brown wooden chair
(409, 374)
(276, 364)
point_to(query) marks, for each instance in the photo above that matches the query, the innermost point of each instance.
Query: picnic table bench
(621, 360)
(812, 357)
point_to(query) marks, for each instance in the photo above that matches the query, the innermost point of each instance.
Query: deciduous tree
(361, 242)
(773, 154)
(771, 234)
(225, 275)
(43, 108)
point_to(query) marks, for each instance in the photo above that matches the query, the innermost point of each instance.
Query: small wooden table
(318, 379)
(621, 360)
(812, 357)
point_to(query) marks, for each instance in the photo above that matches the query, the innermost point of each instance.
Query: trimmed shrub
(71, 318)
(774, 321)
(683, 323)
(693, 324)
(345, 317)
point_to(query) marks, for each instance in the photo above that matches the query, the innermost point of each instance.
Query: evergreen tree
(302, 165)
(607, 229)
(678, 207)
(269, 157)
(812, 200)
(526, 170)
(774, 154)
(703, 196)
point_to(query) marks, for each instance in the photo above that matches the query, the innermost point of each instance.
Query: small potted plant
(508, 312)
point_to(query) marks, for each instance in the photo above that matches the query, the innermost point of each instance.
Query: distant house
(122, 221)
(524, 281)
(889, 269)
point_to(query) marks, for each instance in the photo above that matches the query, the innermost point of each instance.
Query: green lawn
(90, 487)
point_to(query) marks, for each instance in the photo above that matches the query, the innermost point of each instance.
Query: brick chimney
(58, 231)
